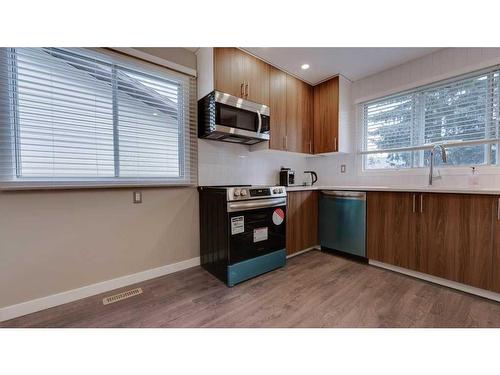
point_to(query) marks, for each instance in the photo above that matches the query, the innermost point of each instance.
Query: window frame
(187, 145)
(421, 170)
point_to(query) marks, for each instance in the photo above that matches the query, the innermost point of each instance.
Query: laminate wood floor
(315, 289)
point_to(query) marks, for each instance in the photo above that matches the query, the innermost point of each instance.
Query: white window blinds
(461, 113)
(79, 117)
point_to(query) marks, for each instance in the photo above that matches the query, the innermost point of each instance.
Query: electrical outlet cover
(137, 197)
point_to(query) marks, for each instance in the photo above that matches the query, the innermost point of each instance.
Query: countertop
(418, 189)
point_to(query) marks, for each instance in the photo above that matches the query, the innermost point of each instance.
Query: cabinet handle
(498, 209)
(310, 147)
(335, 144)
(242, 89)
(286, 142)
(421, 203)
(248, 89)
(414, 203)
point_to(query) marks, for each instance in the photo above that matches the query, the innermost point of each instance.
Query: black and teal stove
(242, 231)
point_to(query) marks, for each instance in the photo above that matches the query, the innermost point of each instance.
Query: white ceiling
(352, 63)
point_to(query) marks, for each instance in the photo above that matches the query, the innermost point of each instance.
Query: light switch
(342, 168)
(137, 196)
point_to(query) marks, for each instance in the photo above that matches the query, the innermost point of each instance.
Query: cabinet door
(473, 262)
(277, 104)
(326, 116)
(438, 234)
(390, 228)
(298, 115)
(229, 71)
(307, 118)
(495, 277)
(456, 237)
(256, 76)
(302, 221)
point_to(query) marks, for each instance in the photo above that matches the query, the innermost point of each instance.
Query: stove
(242, 230)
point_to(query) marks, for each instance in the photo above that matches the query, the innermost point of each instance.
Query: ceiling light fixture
(305, 66)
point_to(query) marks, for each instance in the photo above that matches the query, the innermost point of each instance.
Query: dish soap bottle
(473, 178)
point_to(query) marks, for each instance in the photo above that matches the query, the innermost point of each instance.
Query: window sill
(450, 171)
(32, 185)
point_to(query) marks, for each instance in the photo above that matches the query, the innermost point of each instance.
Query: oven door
(256, 231)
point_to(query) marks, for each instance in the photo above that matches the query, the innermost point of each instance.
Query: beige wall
(181, 56)
(52, 241)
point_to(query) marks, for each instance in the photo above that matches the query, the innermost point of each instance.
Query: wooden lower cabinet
(301, 221)
(495, 278)
(455, 237)
(451, 236)
(390, 228)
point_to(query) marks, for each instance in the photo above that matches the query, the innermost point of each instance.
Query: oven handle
(255, 204)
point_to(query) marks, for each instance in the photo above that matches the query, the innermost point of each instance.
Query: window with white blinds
(462, 113)
(77, 117)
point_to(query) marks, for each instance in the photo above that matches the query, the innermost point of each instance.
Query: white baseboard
(438, 280)
(317, 247)
(43, 303)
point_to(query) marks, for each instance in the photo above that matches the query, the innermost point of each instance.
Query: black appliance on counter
(287, 177)
(227, 118)
(242, 231)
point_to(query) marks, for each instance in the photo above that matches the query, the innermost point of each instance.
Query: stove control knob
(243, 193)
(237, 193)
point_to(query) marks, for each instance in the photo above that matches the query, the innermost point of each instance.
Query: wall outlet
(137, 196)
(342, 168)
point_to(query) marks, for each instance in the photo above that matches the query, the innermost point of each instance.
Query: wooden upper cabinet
(291, 103)
(256, 75)
(229, 71)
(242, 75)
(277, 104)
(299, 115)
(326, 116)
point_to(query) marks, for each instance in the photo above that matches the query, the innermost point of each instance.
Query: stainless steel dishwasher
(342, 221)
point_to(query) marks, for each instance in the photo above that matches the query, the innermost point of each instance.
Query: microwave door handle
(260, 121)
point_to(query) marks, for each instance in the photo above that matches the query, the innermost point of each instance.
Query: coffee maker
(287, 177)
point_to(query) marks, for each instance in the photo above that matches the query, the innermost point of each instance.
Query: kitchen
(465, 262)
(295, 186)
(226, 186)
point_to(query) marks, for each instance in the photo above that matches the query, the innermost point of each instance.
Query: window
(461, 113)
(79, 117)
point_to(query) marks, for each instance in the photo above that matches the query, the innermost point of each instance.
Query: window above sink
(397, 130)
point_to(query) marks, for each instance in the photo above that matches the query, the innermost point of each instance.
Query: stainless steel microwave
(227, 118)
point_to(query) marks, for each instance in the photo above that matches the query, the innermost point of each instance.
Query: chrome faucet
(431, 161)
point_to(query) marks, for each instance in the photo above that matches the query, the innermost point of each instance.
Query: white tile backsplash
(328, 170)
(221, 163)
